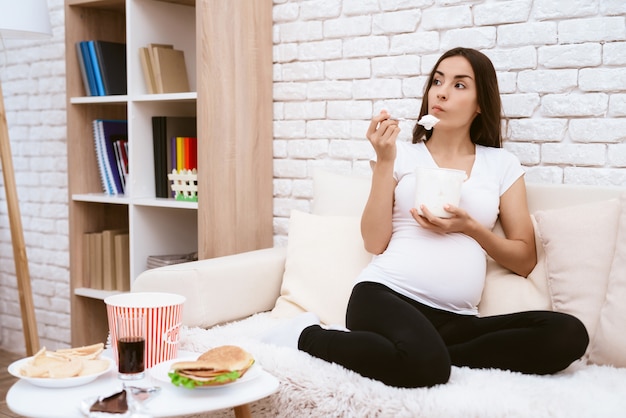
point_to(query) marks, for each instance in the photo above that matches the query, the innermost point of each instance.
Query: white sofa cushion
(579, 243)
(324, 256)
(609, 342)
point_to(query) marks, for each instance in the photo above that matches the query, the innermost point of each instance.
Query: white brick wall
(33, 82)
(561, 67)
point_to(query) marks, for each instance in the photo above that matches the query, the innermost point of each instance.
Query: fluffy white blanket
(310, 387)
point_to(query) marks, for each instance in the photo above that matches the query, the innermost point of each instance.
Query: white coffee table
(28, 400)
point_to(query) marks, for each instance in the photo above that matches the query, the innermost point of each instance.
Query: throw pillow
(324, 256)
(579, 242)
(609, 343)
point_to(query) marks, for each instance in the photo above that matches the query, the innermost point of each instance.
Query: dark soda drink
(131, 354)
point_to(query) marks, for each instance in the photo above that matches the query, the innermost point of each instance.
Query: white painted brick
(501, 12)
(617, 105)
(519, 105)
(544, 175)
(277, 73)
(598, 29)
(348, 69)
(617, 155)
(554, 9)
(346, 27)
(303, 188)
(570, 56)
(358, 128)
(300, 31)
(414, 86)
(614, 53)
(447, 17)
(575, 154)
(290, 169)
(278, 109)
(598, 130)
(367, 46)
(361, 168)
(360, 7)
(536, 130)
(305, 110)
(284, 206)
(396, 22)
(532, 33)
(613, 7)
(405, 4)
(402, 65)
(513, 58)
(282, 187)
(336, 166)
(507, 82)
(568, 105)
(319, 9)
(414, 43)
(323, 50)
(279, 148)
(307, 148)
(349, 109)
(349, 149)
(528, 154)
(477, 38)
(329, 90)
(281, 228)
(377, 88)
(289, 129)
(327, 129)
(290, 91)
(602, 79)
(594, 176)
(547, 81)
(285, 12)
(302, 71)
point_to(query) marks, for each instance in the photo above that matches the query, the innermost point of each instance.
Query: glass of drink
(131, 345)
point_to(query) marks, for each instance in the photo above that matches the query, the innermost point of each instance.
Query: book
(170, 71)
(111, 60)
(109, 280)
(83, 69)
(107, 133)
(122, 262)
(95, 260)
(107, 187)
(164, 128)
(148, 72)
(96, 68)
(86, 58)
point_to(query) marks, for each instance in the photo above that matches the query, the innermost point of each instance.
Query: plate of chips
(63, 368)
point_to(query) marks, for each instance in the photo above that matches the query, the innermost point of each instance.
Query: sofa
(580, 236)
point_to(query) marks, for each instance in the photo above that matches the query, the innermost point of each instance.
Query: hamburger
(218, 366)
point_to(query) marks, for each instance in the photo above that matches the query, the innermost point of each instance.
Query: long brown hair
(486, 126)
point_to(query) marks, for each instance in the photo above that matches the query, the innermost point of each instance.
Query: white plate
(46, 382)
(160, 371)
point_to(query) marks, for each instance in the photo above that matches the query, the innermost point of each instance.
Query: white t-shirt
(442, 271)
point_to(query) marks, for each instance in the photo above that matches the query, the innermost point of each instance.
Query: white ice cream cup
(436, 188)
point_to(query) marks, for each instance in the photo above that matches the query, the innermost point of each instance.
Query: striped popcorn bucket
(163, 313)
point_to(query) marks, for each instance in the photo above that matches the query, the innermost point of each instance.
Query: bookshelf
(228, 55)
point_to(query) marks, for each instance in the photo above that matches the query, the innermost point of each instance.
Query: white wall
(562, 71)
(561, 66)
(33, 82)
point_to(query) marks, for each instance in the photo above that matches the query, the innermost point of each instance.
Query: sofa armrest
(220, 289)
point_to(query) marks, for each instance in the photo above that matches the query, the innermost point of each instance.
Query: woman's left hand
(458, 222)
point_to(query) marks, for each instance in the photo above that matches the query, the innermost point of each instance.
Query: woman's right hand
(382, 134)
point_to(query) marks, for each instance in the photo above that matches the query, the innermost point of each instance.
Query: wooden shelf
(228, 53)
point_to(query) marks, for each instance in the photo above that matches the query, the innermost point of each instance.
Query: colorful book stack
(106, 262)
(164, 69)
(111, 144)
(175, 148)
(103, 67)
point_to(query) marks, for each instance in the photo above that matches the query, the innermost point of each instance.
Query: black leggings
(404, 343)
